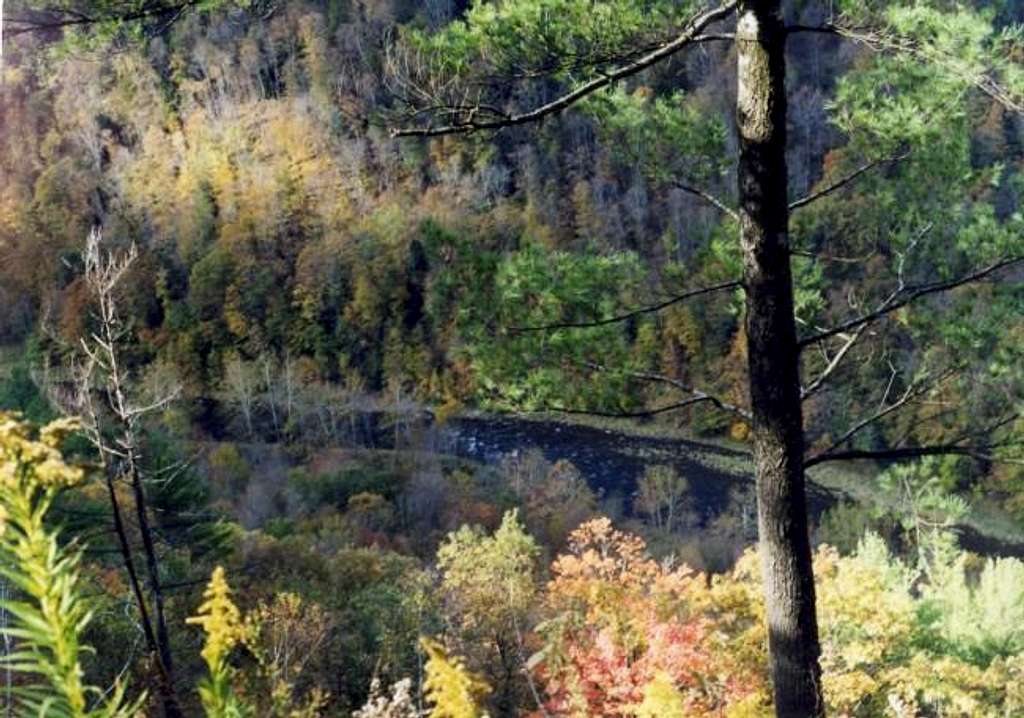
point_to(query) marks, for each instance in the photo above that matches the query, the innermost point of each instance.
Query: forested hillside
(269, 251)
(246, 152)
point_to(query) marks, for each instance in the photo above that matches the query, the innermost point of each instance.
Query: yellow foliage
(661, 700)
(681, 330)
(733, 605)
(446, 410)
(50, 614)
(739, 431)
(861, 617)
(454, 690)
(757, 705)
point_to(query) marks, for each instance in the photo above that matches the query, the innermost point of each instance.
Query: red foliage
(624, 619)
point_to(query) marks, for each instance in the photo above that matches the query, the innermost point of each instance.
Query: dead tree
(113, 425)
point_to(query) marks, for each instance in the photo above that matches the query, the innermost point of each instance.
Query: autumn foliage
(627, 635)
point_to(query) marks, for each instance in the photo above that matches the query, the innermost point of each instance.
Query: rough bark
(773, 357)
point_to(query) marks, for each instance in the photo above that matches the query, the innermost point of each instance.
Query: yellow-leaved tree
(273, 634)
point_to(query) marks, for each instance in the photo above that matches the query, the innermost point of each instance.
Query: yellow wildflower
(21, 456)
(11, 427)
(454, 691)
(54, 433)
(220, 618)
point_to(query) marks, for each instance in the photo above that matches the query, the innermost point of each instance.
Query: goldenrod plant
(450, 686)
(222, 622)
(269, 635)
(50, 613)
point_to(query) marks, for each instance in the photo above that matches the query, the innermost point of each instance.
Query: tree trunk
(773, 358)
(163, 639)
(165, 681)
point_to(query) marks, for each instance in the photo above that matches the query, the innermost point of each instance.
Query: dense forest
(625, 358)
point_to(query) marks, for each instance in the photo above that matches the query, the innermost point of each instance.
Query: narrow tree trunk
(774, 362)
(153, 643)
(163, 639)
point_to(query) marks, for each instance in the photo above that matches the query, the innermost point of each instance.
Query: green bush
(335, 489)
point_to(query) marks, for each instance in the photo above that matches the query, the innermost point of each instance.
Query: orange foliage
(625, 620)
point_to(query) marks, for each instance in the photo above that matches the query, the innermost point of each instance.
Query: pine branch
(909, 452)
(709, 198)
(697, 394)
(847, 179)
(906, 295)
(466, 116)
(882, 41)
(62, 18)
(630, 314)
(958, 447)
(624, 414)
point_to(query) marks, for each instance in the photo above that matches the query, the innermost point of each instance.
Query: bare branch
(466, 119)
(908, 452)
(122, 455)
(906, 295)
(631, 314)
(697, 394)
(158, 404)
(709, 198)
(833, 364)
(980, 452)
(914, 390)
(60, 18)
(831, 257)
(847, 179)
(627, 414)
(959, 446)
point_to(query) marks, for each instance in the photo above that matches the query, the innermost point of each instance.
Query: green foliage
(648, 130)
(976, 618)
(844, 525)
(337, 489)
(941, 636)
(924, 501)
(180, 501)
(550, 36)
(960, 41)
(241, 151)
(491, 579)
(535, 369)
(19, 393)
(229, 471)
(109, 22)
